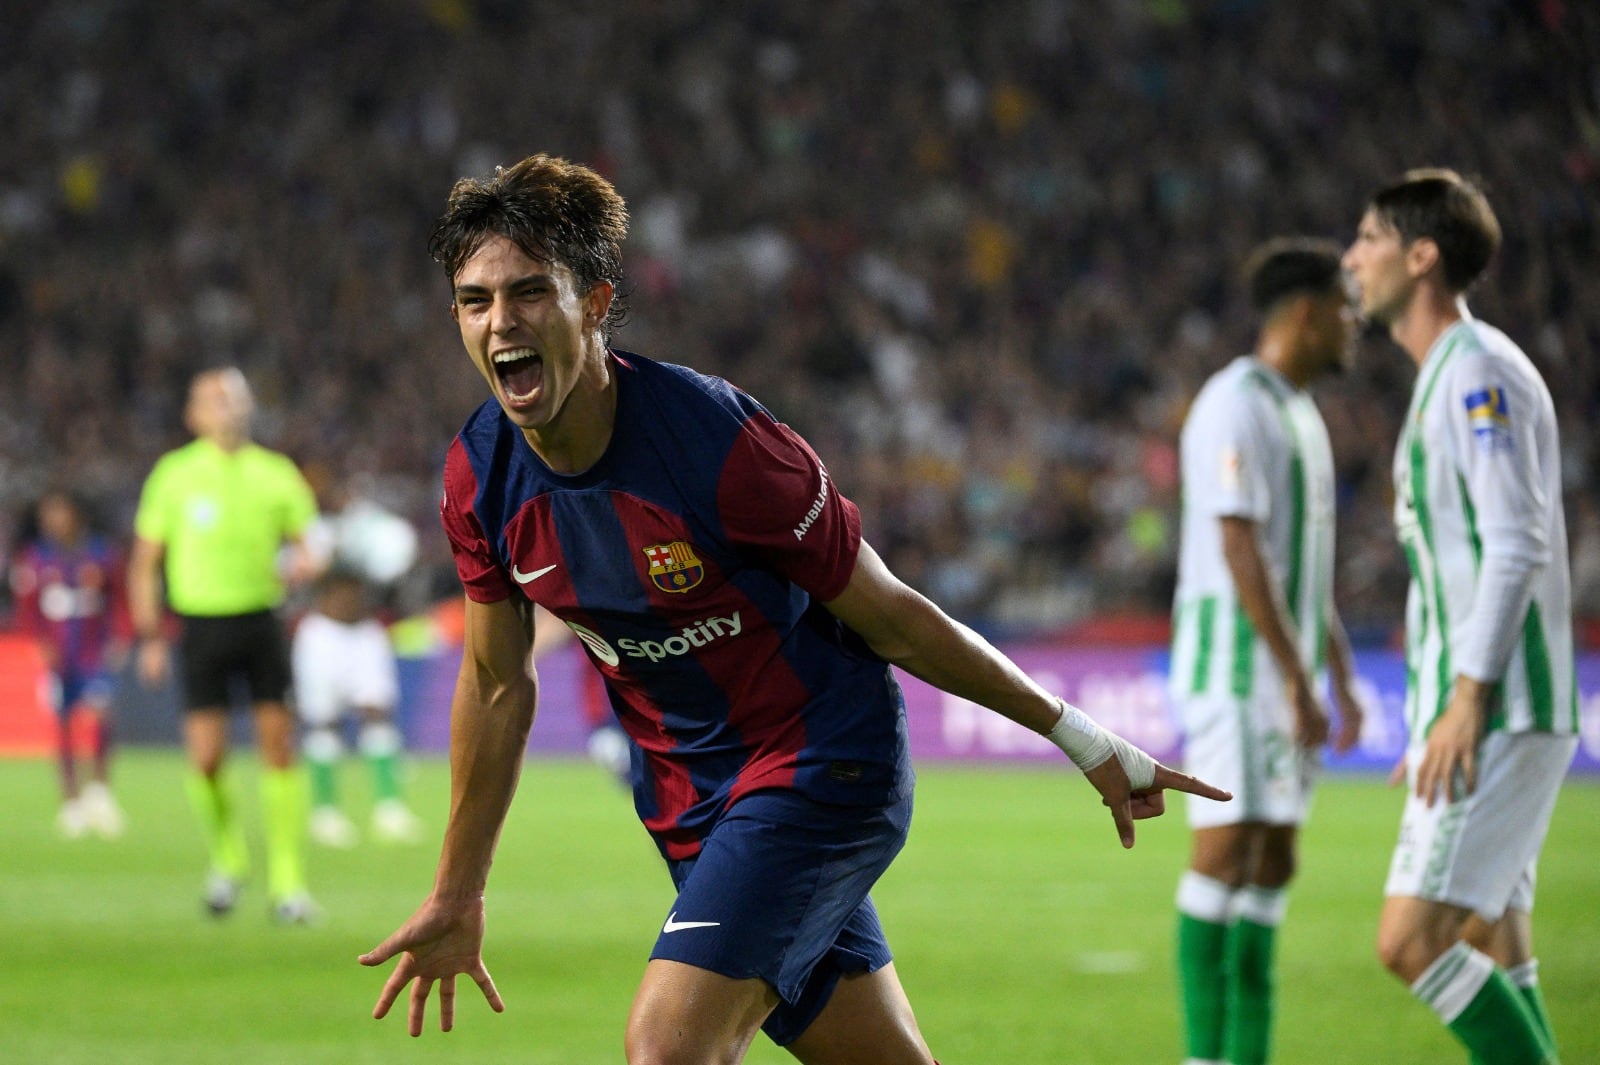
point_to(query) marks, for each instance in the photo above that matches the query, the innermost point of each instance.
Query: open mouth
(521, 372)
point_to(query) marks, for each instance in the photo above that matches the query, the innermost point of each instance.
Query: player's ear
(455, 315)
(597, 303)
(1422, 255)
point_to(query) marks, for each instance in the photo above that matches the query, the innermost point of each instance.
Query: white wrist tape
(1089, 745)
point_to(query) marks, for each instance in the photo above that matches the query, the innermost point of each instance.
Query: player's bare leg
(1413, 933)
(867, 1021)
(1230, 903)
(684, 1015)
(1425, 943)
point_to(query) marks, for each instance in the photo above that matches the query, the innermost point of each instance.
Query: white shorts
(1247, 747)
(1481, 852)
(339, 668)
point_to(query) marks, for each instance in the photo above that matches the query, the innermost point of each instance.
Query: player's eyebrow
(522, 282)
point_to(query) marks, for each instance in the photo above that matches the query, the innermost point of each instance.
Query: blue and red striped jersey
(70, 598)
(692, 561)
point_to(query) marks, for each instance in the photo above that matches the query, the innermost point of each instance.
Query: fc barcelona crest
(674, 567)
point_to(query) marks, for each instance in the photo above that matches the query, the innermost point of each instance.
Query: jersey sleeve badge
(674, 567)
(1489, 417)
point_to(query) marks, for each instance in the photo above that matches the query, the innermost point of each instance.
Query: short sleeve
(301, 502)
(776, 499)
(1225, 460)
(151, 519)
(476, 564)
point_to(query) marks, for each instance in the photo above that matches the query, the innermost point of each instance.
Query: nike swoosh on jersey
(524, 578)
(675, 925)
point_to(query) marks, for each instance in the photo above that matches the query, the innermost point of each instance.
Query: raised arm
(490, 715)
(905, 628)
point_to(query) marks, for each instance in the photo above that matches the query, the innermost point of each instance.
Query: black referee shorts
(217, 655)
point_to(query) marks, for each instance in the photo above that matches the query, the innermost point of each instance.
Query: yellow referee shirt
(222, 517)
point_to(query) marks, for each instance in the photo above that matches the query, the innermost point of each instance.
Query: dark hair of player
(1290, 266)
(554, 210)
(1448, 209)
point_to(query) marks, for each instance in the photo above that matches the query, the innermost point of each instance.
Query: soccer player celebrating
(1255, 624)
(1491, 700)
(718, 580)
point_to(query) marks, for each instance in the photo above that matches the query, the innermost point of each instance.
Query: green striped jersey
(1477, 476)
(1253, 446)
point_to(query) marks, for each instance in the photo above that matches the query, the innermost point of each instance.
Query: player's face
(1376, 263)
(59, 519)
(531, 334)
(220, 406)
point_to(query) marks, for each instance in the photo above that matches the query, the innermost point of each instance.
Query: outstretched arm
(908, 630)
(490, 716)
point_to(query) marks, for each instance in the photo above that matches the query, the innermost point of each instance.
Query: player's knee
(648, 1043)
(1405, 952)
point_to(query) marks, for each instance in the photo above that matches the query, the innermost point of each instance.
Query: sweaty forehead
(498, 260)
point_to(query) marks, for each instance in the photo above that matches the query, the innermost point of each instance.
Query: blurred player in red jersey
(67, 583)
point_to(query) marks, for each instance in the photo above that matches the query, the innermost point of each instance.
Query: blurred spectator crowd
(980, 254)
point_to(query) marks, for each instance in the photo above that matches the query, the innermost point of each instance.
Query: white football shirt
(1253, 446)
(1477, 477)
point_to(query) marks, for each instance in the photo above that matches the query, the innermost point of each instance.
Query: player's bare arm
(1263, 604)
(905, 628)
(1341, 667)
(490, 715)
(144, 608)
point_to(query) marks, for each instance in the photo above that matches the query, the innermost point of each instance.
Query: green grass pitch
(1022, 932)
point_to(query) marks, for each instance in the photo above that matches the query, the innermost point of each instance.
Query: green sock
(1249, 952)
(381, 744)
(385, 776)
(1525, 978)
(285, 806)
(1201, 934)
(324, 782)
(1479, 1004)
(224, 836)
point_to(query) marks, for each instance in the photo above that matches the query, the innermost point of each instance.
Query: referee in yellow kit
(218, 511)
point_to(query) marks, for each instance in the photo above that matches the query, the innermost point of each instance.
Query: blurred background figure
(66, 579)
(344, 669)
(213, 517)
(344, 662)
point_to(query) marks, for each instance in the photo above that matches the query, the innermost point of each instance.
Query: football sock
(69, 767)
(1478, 1003)
(323, 751)
(380, 745)
(100, 746)
(1525, 978)
(215, 808)
(1203, 905)
(284, 806)
(1251, 942)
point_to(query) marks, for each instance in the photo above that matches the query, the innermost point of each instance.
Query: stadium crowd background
(980, 254)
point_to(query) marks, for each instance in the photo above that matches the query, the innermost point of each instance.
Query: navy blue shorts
(779, 891)
(71, 688)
